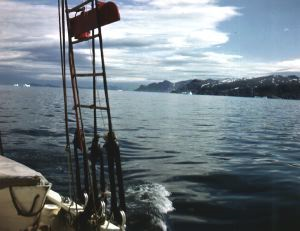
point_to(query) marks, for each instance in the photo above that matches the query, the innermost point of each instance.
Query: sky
(158, 40)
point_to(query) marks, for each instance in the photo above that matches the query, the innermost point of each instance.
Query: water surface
(190, 162)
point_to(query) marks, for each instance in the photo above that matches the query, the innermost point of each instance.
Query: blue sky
(159, 39)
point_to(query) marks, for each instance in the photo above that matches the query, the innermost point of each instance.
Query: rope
(63, 65)
(95, 140)
(1, 147)
(109, 221)
(104, 80)
(95, 150)
(97, 90)
(100, 154)
(99, 102)
(79, 191)
(20, 210)
(61, 16)
(113, 150)
(119, 175)
(78, 114)
(114, 162)
(89, 173)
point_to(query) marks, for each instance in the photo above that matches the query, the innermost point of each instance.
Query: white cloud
(194, 23)
(137, 46)
(28, 39)
(155, 39)
(220, 57)
(235, 65)
(177, 58)
(168, 3)
(264, 68)
(288, 65)
(162, 29)
(11, 55)
(25, 25)
(207, 38)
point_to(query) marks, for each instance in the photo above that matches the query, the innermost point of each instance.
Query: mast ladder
(100, 14)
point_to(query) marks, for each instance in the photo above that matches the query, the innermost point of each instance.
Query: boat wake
(148, 206)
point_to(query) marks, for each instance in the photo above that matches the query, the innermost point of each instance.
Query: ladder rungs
(78, 7)
(82, 40)
(88, 74)
(91, 107)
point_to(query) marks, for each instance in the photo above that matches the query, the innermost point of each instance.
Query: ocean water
(190, 162)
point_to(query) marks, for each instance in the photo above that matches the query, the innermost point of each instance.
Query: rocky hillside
(273, 86)
(165, 86)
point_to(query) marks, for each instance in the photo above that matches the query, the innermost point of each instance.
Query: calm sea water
(190, 162)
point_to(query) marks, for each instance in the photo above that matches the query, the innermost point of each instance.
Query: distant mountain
(272, 86)
(194, 85)
(181, 84)
(126, 86)
(286, 73)
(165, 86)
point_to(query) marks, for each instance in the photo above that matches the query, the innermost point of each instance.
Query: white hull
(10, 220)
(55, 204)
(26, 201)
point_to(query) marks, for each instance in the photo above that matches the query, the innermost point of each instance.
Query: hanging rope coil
(21, 211)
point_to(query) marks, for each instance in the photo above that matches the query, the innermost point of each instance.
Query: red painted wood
(104, 13)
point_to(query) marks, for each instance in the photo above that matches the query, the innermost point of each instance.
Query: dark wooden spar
(82, 26)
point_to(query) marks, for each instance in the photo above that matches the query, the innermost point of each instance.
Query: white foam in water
(159, 197)
(152, 200)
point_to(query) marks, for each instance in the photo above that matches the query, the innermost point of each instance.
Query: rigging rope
(61, 18)
(95, 140)
(113, 150)
(78, 114)
(1, 147)
(99, 154)
(97, 90)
